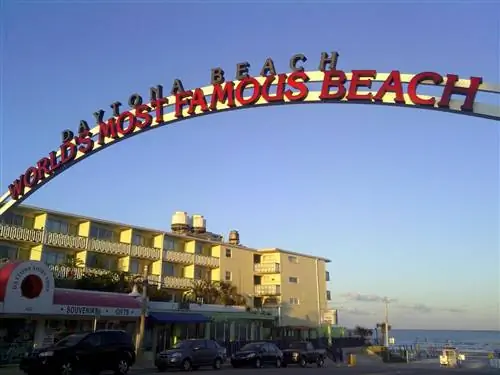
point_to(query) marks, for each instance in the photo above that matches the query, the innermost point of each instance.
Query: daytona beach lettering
(246, 91)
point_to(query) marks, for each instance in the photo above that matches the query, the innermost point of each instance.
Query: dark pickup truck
(302, 353)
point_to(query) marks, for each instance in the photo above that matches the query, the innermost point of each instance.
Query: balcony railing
(66, 272)
(206, 261)
(267, 290)
(145, 252)
(266, 268)
(177, 282)
(66, 241)
(108, 247)
(15, 233)
(178, 257)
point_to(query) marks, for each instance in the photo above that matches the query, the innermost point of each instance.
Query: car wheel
(186, 365)
(217, 364)
(278, 362)
(303, 362)
(122, 367)
(66, 369)
(258, 363)
(320, 362)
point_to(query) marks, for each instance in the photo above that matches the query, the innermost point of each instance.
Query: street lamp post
(386, 324)
(139, 338)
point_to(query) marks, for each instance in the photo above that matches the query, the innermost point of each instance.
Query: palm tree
(202, 290)
(228, 294)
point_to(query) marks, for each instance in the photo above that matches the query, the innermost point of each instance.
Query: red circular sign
(31, 286)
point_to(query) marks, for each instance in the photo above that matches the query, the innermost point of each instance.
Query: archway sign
(326, 85)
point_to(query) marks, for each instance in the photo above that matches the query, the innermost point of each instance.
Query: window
(328, 295)
(309, 347)
(13, 253)
(293, 259)
(167, 269)
(102, 233)
(327, 276)
(138, 240)
(198, 248)
(102, 261)
(294, 301)
(228, 253)
(168, 243)
(212, 344)
(197, 273)
(228, 276)
(60, 226)
(53, 257)
(134, 266)
(13, 219)
(293, 280)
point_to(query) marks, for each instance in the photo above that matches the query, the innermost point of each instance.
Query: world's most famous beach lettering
(268, 88)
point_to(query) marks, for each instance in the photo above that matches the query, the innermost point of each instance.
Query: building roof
(189, 237)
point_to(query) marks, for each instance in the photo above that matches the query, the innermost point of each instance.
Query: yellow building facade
(291, 285)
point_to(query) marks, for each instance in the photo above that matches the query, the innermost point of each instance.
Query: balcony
(266, 268)
(108, 247)
(74, 273)
(178, 257)
(15, 233)
(173, 282)
(66, 241)
(267, 290)
(206, 261)
(145, 252)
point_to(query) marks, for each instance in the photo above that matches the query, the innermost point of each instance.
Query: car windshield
(71, 340)
(183, 345)
(251, 347)
(296, 345)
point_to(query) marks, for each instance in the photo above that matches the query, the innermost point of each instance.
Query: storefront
(35, 313)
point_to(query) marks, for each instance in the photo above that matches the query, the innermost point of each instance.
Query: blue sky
(404, 202)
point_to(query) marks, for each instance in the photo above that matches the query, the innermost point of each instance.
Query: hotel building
(292, 285)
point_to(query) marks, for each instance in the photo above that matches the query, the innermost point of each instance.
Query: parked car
(92, 352)
(303, 353)
(191, 354)
(257, 354)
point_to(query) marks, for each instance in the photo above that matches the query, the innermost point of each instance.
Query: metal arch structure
(105, 134)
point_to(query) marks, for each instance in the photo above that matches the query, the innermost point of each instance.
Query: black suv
(192, 354)
(90, 352)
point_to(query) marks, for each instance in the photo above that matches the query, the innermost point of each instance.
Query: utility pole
(386, 324)
(139, 339)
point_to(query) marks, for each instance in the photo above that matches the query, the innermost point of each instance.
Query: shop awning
(175, 317)
(231, 316)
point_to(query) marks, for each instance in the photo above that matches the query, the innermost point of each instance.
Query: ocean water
(470, 340)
